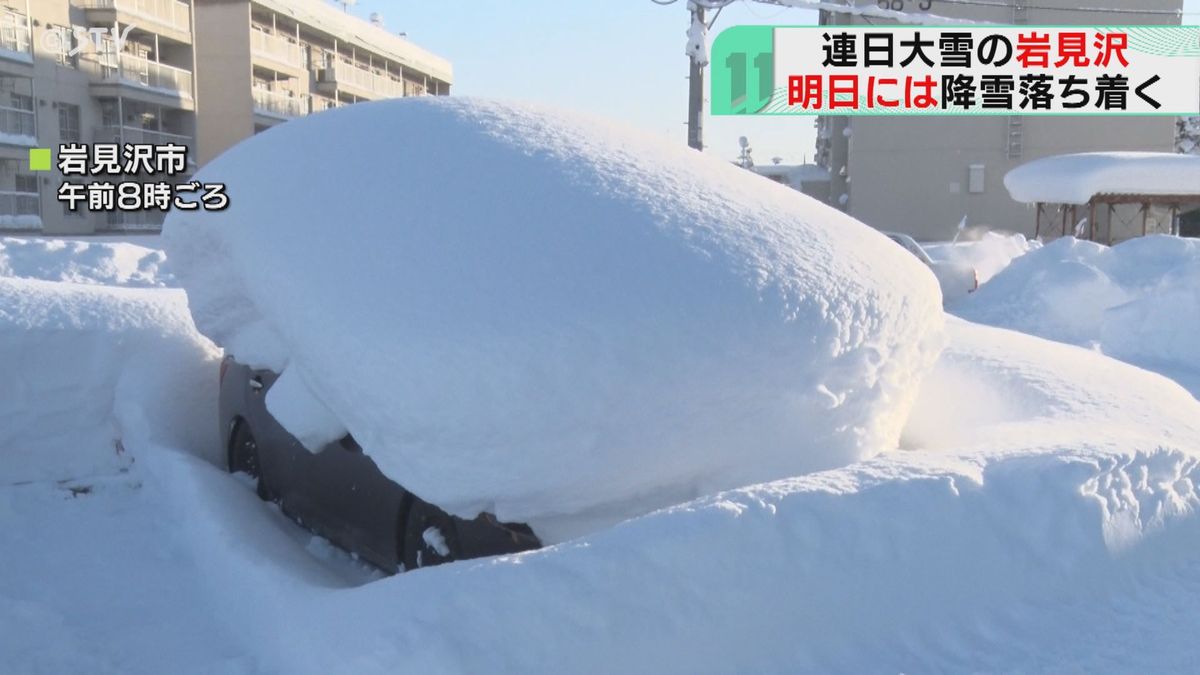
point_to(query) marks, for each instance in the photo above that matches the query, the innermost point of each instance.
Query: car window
(912, 247)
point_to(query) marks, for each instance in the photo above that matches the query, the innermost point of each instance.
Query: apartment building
(921, 176)
(202, 74)
(60, 83)
(266, 61)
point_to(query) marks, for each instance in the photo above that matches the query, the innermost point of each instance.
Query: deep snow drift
(84, 262)
(78, 363)
(544, 315)
(1138, 301)
(1042, 519)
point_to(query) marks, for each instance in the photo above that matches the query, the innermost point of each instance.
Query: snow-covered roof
(349, 28)
(1075, 179)
(796, 173)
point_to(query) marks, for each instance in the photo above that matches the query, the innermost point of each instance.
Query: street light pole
(696, 88)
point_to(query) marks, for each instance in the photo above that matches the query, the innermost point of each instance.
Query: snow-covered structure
(581, 322)
(810, 179)
(1127, 194)
(920, 175)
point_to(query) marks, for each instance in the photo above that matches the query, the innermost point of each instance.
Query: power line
(829, 6)
(817, 4)
(1098, 10)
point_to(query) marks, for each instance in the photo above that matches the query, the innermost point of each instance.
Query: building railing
(122, 134)
(170, 13)
(136, 70)
(279, 103)
(364, 79)
(17, 122)
(14, 32)
(15, 205)
(134, 221)
(322, 103)
(276, 48)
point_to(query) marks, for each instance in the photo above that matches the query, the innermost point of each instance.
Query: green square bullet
(39, 159)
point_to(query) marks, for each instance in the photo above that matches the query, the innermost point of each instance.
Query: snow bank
(1138, 300)
(87, 368)
(1042, 518)
(110, 263)
(1044, 538)
(988, 254)
(1160, 326)
(545, 315)
(1075, 179)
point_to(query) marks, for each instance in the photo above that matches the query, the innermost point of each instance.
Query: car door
(360, 507)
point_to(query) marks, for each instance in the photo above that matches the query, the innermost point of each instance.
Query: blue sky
(619, 58)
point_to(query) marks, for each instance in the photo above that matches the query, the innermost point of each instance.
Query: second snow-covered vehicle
(956, 279)
(339, 492)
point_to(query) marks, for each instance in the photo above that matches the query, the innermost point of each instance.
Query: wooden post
(1037, 228)
(1092, 219)
(1145, 217)
(1111, 211)
(1062, 208)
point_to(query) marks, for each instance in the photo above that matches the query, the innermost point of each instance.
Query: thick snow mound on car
(1138, 300)
(83, 262)
(540, 314)
(87, 368)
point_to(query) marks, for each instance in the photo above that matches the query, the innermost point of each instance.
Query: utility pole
(696, 87)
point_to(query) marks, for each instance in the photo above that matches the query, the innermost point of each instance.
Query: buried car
(956, 279)
(339, 492)
(528, 316)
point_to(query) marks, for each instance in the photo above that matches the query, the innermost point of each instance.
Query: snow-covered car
(956, 279)
(596, 324)
(339, 492)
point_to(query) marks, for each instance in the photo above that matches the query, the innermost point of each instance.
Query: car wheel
(429, 537)
(243, 458)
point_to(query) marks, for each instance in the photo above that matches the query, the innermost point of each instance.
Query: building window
(975, 179)
(25, 183)
(68, 123)
(20, 101)
(109, 113)
(64, 45)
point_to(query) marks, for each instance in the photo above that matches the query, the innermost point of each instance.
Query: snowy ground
(1138, 301)
(1039, 515)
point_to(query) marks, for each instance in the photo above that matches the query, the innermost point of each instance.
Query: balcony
(360, 81)
(20, 210)
(322, 103)
(171, 18)
(277, 51)
(115, 134)
(157, 82)
(17, 127)
(279, 104)
(138, 135)
(15, 42)
(134, 221)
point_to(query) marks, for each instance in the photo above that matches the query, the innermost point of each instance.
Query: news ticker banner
(956, 70)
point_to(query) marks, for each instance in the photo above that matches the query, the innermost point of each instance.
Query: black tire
(441, 546)
(243, 458)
